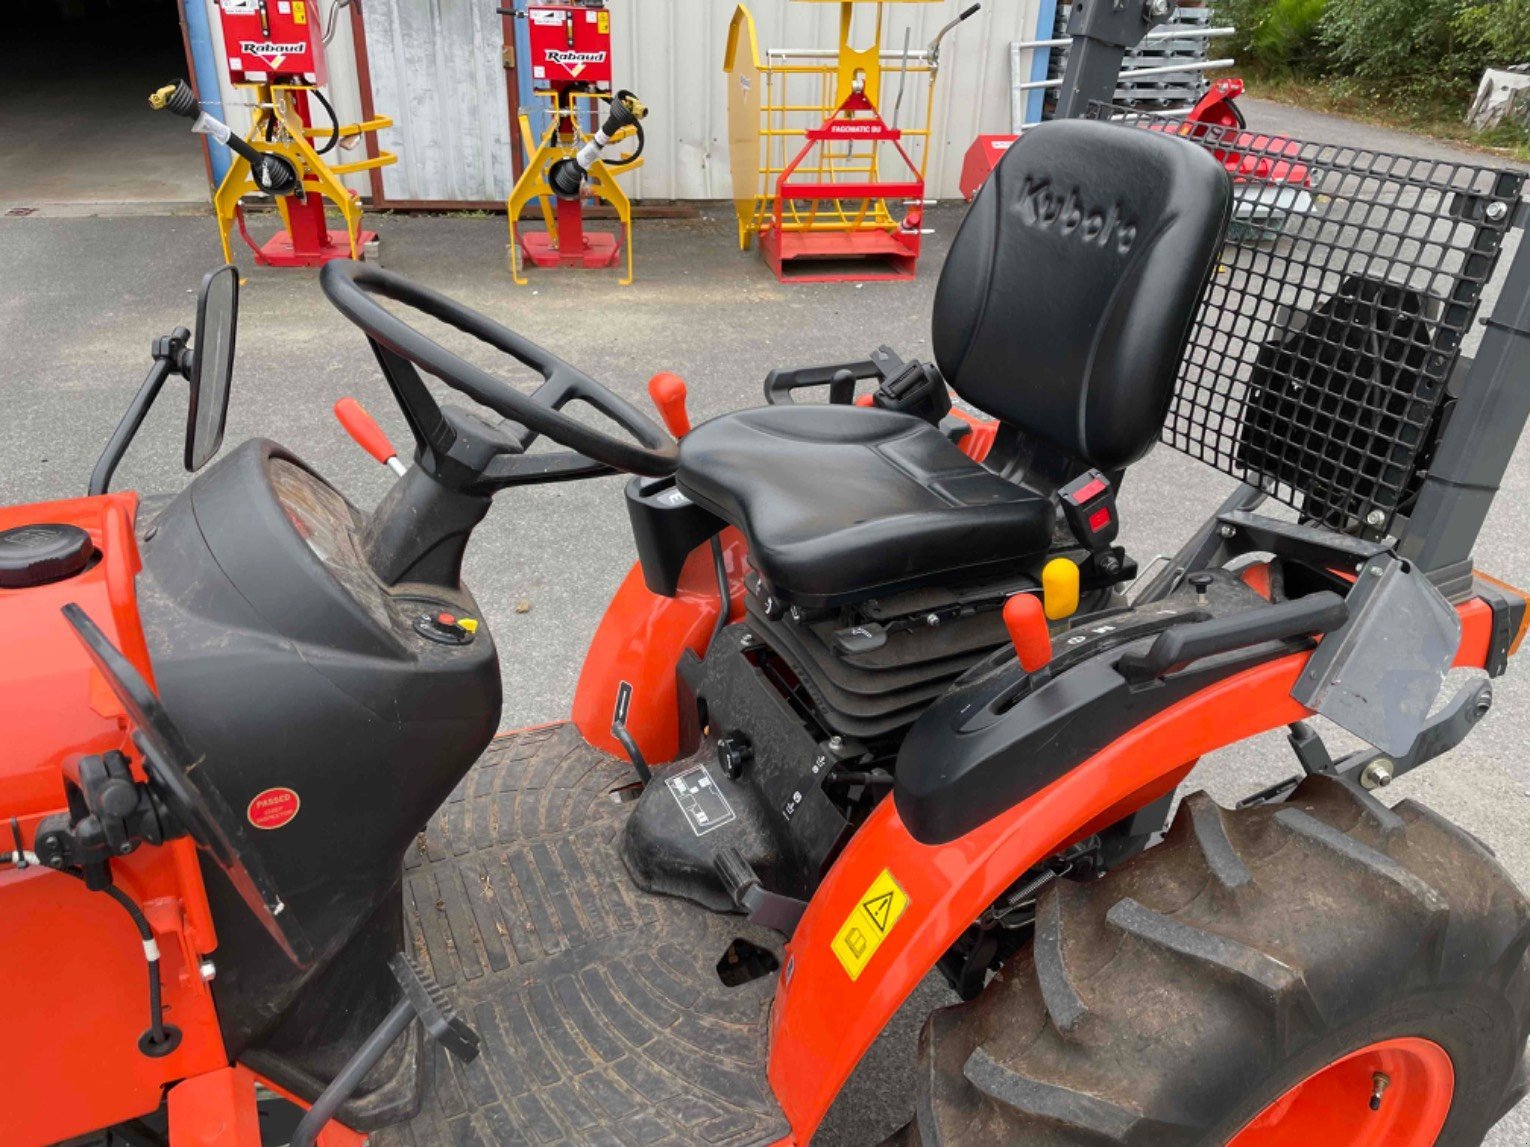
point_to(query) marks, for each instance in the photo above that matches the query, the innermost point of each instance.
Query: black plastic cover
(35, 555)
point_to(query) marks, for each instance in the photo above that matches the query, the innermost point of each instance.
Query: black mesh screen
(1318, 364)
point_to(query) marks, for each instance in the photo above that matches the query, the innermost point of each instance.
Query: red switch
(365, 432)
(1026, 620)
(668, 394)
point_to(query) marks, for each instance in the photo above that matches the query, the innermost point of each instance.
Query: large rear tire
(1192, 991)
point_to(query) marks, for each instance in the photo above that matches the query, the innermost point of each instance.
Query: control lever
(1026, 620)
(1321, 612)
(365, 432)
(668, 394)
(762, 906)
(422, 997)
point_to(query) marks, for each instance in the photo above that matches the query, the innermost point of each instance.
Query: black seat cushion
(1069, 291)
(841, 503)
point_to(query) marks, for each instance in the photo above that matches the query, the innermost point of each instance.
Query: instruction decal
(704, 807)
(873, 917)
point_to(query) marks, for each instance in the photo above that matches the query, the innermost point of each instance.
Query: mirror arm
(170, 357)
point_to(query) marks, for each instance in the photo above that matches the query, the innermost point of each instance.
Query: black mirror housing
(212, 365)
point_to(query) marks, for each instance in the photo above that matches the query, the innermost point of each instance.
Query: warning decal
(869, 922)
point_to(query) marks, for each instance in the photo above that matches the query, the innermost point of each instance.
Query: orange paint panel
(215, 1110)
(823, 1022)
(639, 642)
(72, 968)
(1421, 1082)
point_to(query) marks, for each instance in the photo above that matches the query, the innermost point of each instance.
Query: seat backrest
(1069, 291)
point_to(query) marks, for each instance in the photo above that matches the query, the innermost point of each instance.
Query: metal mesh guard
(1317, 367)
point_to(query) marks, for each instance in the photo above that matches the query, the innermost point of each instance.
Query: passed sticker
(869, 923)
(273, 808)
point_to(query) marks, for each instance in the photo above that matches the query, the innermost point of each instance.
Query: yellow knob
(470, 624)
(1059, 589)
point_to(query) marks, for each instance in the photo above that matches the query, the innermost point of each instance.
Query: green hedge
(1406, 48)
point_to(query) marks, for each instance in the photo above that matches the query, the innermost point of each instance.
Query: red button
(1092, 490)
(1099, 519)
(446, 619)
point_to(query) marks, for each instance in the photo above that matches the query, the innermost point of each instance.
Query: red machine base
(840, 256)
(597, 250)
(281, 251)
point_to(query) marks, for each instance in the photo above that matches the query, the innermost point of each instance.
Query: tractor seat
(1062, 310)
(841, 503)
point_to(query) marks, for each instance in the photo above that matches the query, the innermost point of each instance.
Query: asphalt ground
(82, 295)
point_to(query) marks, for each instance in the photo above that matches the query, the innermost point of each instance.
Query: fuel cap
(35, 555)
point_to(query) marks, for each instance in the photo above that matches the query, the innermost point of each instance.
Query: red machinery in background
(570, 57)
(276, 47)
(1265, 186)
(270, 42)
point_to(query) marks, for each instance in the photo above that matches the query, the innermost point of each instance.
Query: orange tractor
(882, 696)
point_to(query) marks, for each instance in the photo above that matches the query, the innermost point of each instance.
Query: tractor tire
(1179, 998)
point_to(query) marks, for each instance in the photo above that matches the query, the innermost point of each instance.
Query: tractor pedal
(759, 904)
(436, 1013)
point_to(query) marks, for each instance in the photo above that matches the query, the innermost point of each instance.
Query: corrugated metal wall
(437, 70)
(671, 51)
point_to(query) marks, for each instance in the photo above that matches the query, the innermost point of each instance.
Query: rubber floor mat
(602, 1013)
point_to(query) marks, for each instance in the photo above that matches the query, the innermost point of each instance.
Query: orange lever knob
(363, 429)
(1026, 620)
(668, 394)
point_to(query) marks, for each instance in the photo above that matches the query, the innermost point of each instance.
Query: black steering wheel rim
(350, 286)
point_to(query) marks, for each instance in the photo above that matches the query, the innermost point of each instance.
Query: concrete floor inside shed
(75, 122)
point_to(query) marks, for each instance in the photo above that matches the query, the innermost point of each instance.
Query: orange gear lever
(668, 394)
(365, 432)
(1026, 620)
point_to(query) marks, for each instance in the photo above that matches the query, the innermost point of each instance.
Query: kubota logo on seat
(1043, 206)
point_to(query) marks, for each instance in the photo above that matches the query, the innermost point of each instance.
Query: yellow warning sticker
(299, 12)
(603, 23)
(869, 923)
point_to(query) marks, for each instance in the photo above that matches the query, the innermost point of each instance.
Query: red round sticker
(273, 808)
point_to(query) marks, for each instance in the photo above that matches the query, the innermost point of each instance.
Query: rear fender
(823, 1020)
(639, 643)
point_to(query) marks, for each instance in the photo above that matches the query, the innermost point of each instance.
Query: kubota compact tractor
(874, 701)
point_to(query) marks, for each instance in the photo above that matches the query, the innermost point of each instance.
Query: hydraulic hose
(334, 122)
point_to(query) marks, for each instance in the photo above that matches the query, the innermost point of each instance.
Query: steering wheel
(455, 444)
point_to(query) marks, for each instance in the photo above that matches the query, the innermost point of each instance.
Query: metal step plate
(602, 1014)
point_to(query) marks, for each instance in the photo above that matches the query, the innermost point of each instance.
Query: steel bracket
(1448, 729)
(1378, 675)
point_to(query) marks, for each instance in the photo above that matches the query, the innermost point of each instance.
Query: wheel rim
(1333, 1105)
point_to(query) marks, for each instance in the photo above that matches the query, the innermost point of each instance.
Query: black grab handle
(1321, 612)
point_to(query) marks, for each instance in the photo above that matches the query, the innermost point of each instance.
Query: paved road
(81, 298)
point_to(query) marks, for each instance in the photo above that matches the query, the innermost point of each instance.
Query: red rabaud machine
(570, 57)
(275, 49)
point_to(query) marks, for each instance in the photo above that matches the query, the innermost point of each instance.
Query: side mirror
(212, 365)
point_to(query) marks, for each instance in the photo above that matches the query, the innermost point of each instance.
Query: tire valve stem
(1380, 1081)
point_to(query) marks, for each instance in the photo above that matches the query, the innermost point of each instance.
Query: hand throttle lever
(365, 432)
